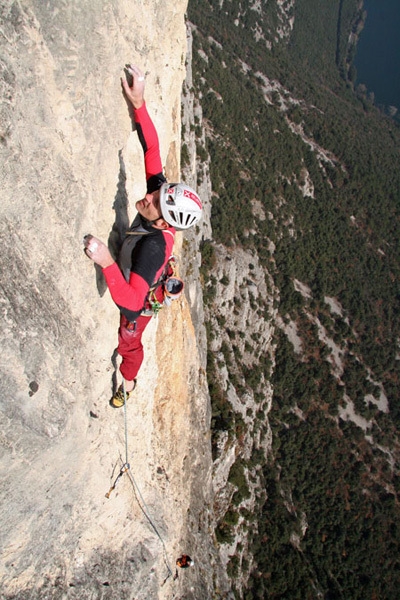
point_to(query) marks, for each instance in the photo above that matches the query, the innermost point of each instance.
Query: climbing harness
(172, 288)
(138, 495)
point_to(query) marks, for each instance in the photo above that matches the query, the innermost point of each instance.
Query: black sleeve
(155, 182)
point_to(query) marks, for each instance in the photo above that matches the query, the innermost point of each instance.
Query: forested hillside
(305, 176)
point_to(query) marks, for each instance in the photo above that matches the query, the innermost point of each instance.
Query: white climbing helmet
(180, 205)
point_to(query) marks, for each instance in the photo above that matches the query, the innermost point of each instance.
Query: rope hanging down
(126, 468)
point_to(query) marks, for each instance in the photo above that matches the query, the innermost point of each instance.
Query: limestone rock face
(72, 165)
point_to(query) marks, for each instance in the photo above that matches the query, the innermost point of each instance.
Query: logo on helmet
(188, 194)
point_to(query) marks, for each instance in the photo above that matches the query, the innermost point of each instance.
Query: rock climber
(144, 256)
(184, 561)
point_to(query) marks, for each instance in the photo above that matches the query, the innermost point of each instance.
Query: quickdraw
(125, 467)
(156, 306)
(152, 305)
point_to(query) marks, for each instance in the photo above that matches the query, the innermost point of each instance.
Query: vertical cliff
(73, 165)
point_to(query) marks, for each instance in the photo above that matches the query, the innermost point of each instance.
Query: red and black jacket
(153, 249)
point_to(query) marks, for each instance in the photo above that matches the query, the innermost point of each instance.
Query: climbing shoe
(118, 399)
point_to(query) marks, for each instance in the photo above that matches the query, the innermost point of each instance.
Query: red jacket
(152, 251)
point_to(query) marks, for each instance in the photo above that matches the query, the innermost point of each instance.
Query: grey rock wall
(71, 164)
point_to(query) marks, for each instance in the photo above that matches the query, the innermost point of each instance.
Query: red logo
(192, 196)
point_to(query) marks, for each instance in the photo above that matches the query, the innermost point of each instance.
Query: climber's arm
(129, 297)
(147, 133)
(151, 147)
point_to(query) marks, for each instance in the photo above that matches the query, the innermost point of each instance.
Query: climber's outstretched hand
(134, 92)
(97, 251)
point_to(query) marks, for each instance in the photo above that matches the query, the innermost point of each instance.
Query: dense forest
(286, 127)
